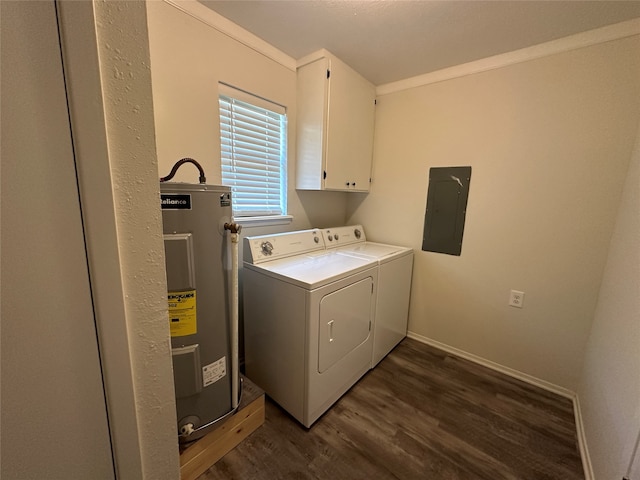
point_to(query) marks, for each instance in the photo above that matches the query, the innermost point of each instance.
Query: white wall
(188, 59)
(549, 141)
(610, 386)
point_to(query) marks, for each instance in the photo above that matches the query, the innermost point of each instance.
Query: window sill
(264, 221)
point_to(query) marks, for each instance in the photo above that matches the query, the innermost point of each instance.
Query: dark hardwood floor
(420, 414)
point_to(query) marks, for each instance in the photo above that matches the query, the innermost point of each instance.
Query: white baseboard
(551, 387)
(582, 441)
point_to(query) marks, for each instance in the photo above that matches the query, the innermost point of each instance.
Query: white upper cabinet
(336, 108)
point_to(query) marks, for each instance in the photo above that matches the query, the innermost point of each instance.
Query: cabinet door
(312, 110)
(349, 146)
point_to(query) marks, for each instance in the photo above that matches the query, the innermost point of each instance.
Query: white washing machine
(308, 315)
(395, 265)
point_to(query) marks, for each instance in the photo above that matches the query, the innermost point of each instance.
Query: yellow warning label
(182, 313)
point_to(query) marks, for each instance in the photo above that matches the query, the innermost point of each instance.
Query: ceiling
(390, 40)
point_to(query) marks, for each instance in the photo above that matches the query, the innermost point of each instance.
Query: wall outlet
(516, 299)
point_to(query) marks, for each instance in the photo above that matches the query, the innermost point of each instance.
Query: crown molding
(573, 42)
(213, 19)
(312, 57)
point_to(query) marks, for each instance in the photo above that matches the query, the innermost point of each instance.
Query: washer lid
(379, 251)
(314, 270)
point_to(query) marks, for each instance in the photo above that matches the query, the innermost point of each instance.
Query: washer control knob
(336, 236)
(267, 248)
(357, 233)
(316, 239)
(330, 237)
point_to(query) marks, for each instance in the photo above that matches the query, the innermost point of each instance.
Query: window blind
(253, 149)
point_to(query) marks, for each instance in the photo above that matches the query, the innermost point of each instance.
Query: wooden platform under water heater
(199, 456)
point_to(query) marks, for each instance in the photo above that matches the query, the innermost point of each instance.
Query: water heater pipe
(181, 162)
(234, 229)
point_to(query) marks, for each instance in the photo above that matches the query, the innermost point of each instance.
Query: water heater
(198, 256)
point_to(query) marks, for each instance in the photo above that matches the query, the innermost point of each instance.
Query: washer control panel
(265, 248)
(339, 236)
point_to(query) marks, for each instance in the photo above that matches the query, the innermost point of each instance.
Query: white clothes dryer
(395, 266)
(308, 316)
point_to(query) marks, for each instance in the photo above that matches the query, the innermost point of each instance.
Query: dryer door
(345, 322)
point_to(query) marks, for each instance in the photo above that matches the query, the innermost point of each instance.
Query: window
(253, 137)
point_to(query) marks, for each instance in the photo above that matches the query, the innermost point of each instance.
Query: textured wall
(126, 77)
